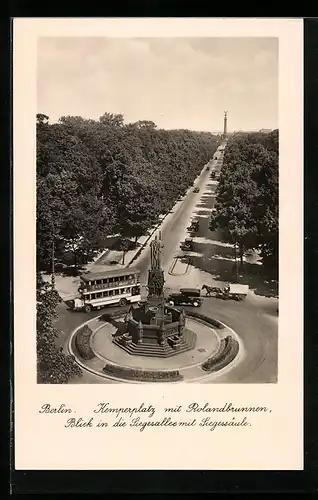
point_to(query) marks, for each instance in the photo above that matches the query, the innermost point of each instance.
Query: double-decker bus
(97, 290)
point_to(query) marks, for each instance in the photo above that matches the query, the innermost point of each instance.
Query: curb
(173, 265)
(95, 372)
(238, 357)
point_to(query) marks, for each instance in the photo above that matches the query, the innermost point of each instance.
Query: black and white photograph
(158, 244)
(157, 207)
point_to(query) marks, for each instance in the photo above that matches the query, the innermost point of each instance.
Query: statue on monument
(155, 273)
(155, 250)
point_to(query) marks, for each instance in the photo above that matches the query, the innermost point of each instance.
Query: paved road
(174, 229)
(255, 320)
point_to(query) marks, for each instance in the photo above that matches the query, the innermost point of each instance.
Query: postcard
(158, 267)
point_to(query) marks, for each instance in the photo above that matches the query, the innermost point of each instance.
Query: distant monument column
(225, 125)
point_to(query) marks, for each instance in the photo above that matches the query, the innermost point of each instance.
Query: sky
(175, 82)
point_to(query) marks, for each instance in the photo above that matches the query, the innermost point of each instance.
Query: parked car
(187, 244)
(186, 297)
(194, 226)
(196, 190)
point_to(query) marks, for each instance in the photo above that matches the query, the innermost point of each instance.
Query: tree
(84, 226)
(53, 366)
(71, 210)
(138, 205)
(99, 177)
(124, 246)
(110, 119)
(144, 124)
(266, 208)
(246, 206)
(42, 119)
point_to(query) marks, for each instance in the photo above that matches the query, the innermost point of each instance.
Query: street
(254, 320)
(174, 229)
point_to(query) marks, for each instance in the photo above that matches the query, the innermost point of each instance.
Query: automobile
(213, 174)
(196, 190)
(187, 244)
(186, 297)
(194, 226)
(207, 168)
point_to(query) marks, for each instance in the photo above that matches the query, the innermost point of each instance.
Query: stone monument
(153, 328)
(224, 135)
(155, 274)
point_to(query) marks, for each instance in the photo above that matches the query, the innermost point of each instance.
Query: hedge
(82, 342)
(143, 375)
(226, 352)
(211, 321)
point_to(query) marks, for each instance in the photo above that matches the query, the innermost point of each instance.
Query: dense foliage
(53, 366)
(246, 206)
(96, 178)
(83, 342)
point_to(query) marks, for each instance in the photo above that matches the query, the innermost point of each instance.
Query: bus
(97, 290)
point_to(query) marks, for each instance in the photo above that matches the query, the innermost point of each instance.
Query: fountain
(152, 328)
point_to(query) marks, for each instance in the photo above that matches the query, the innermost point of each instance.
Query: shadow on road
(218, 261)
(205, 203)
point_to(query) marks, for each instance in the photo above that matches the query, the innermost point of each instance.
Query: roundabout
(155, 341)
(217, 350)
(207, 343)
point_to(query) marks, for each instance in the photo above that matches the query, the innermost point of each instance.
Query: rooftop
(110, 273)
